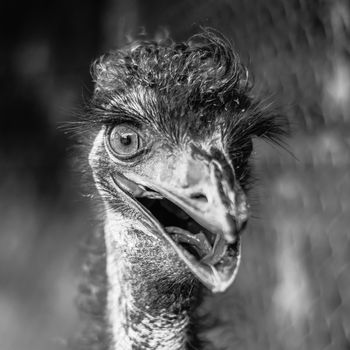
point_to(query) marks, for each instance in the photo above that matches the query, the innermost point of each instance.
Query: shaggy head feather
(185, 90)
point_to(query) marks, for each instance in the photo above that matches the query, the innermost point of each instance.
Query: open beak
(197, 205)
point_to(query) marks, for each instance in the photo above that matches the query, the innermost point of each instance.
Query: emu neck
(150, 294)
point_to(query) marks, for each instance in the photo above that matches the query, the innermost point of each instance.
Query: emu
(172, 126)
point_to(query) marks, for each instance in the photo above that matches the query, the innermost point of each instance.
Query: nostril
(199, 197)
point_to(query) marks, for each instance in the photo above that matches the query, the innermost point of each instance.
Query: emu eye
(124, 141)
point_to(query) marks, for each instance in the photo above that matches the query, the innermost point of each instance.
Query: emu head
(172, 151)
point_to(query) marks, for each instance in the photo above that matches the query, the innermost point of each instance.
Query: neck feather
(151, 293)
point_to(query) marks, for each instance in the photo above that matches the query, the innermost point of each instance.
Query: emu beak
(206, 206)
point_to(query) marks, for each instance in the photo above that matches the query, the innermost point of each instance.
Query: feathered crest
(177, 87)
(204, 64)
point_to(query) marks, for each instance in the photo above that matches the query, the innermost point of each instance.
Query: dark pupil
(125, 140)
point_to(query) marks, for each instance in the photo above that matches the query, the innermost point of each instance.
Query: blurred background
(293, 288)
